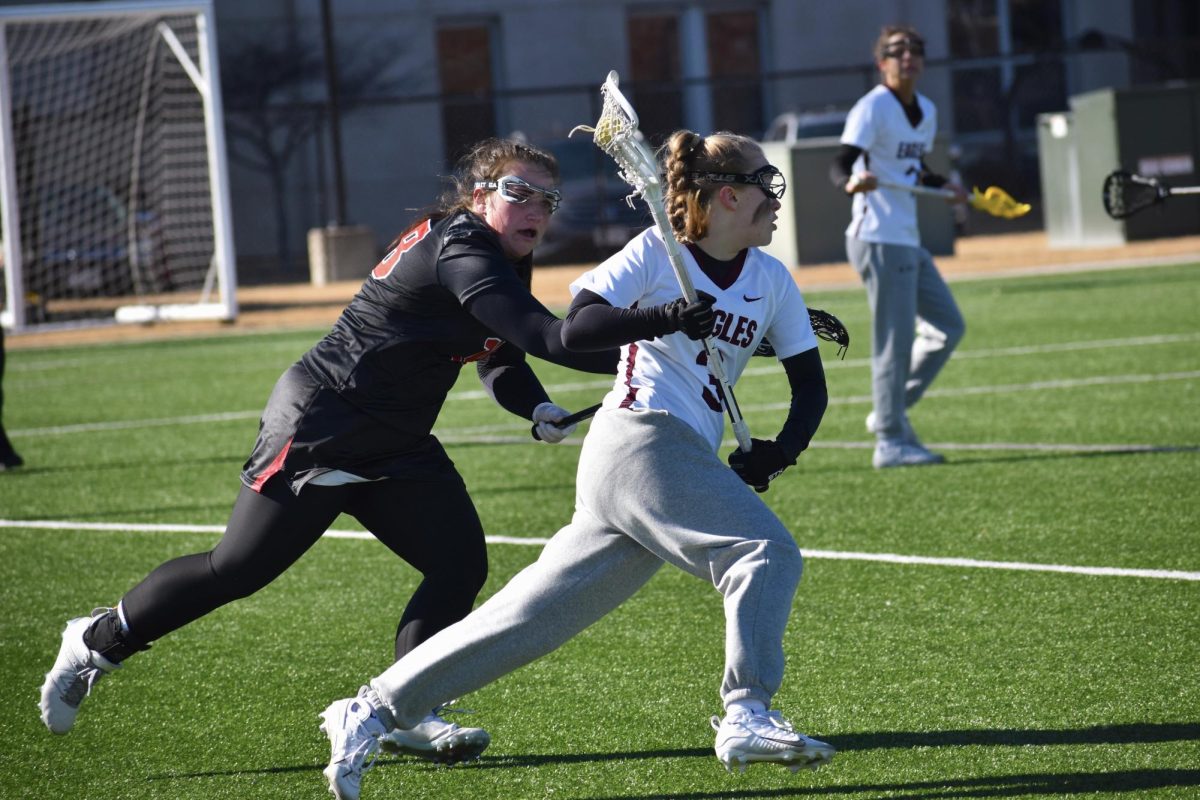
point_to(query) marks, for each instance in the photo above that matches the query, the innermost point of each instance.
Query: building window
(735, 65)
(655, 71)
(464, 54)
(1014, 91)
(1164, 41)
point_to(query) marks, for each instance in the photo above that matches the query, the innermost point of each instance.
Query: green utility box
(815, 215)
(1152, 131)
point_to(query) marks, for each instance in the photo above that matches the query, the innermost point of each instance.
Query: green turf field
(1071, 421)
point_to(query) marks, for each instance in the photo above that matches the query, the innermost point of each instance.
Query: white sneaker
(743, 738)
(353, 729)
(899, 453)
(73, 675)
(907, 434)
(437, 740)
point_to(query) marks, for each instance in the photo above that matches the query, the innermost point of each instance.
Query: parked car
(792, 126)
(594, 220)
(84, 241)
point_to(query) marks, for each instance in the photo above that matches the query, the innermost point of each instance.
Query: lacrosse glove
(545, 430)
(696, 319)
(765, 461)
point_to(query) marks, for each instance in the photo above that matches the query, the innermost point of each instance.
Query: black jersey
(364, 399)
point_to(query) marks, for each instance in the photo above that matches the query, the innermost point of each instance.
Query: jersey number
(713, 390)
(385, 267)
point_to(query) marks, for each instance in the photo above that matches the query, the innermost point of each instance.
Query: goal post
(114, 191)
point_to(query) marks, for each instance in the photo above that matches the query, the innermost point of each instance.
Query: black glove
(696, 319)
(761, 465)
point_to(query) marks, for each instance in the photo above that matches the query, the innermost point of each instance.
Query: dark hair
(891, 30)
(486, 161)
(687, 199)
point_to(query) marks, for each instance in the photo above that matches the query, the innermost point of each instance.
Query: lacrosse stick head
(616, 133)
(1126, 194)
(998, 203)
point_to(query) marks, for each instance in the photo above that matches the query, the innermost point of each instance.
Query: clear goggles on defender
(516, 190)
(767, 178)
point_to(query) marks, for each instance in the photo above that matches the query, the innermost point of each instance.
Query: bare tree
(274, 98)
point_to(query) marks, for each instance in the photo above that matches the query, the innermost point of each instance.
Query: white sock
(121, 616)
(746, 706)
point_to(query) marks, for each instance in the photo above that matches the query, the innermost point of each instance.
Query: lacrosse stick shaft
(617, 135)
(570, 419)
(741, 431)
(928, 191)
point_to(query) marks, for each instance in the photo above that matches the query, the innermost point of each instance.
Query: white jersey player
(670, 373)
(893, 149)
(651, 488)
(915, 321)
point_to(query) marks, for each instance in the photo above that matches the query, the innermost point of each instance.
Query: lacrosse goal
(114, 195)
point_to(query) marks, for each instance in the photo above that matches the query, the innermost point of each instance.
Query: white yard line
(530, 541)
(127, 424)
(481, 433)
(1005, 388)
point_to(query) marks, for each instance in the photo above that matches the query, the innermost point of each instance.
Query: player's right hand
(862, 182)
(696, 319)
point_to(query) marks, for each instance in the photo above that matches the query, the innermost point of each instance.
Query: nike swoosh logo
(750, 299)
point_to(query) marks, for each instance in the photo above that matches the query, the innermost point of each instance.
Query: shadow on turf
(998, 786)
(1001, 786)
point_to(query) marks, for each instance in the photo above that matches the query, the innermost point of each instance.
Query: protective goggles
(516, 190)
(767, 178)
(898, 49)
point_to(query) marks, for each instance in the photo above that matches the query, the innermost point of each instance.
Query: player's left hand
(544, 417)
(764, 463)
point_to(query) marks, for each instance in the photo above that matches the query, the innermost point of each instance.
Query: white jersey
(670, 373)
(892, 150)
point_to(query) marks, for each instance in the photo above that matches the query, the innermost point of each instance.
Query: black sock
(106, 637)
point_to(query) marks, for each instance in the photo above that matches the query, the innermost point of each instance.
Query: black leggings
(431, 525)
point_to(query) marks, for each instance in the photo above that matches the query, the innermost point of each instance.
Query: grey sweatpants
(650, 489)
(915, 326)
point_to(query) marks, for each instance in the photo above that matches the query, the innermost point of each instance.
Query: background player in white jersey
(651, 487)
(915, 322)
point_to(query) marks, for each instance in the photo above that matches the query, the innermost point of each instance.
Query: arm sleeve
(806, 376)
(594, 324)
(508, 309)
(510, 381)
(842, 166)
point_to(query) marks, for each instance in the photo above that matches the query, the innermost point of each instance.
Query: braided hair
(687, 198)
(485, 161)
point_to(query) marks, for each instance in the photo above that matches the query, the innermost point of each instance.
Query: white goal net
(113, 190)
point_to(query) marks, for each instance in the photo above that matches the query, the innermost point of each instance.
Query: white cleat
(353, 729)
(898, 453)
(73, 675)
(434, 739)
(743, 739)
(907, 434)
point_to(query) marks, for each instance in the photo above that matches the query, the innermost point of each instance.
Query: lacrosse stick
(571, 419)
(994, 201)
(616, 133)
(1125, 194)
(825, 325)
